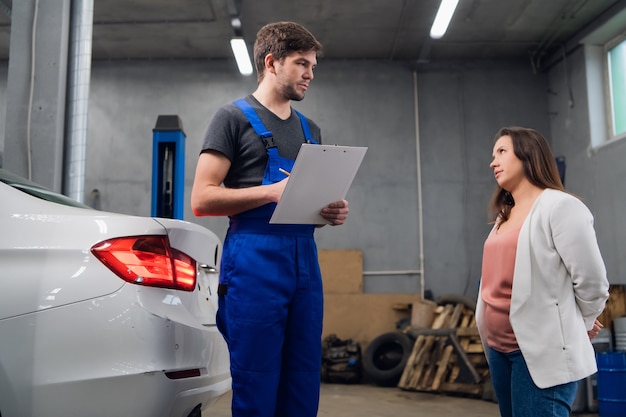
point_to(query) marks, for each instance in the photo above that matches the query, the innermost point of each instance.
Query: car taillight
(147, 260)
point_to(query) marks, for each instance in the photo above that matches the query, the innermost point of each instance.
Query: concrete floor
(338, 400)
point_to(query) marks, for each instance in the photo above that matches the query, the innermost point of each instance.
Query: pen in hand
(284, 172)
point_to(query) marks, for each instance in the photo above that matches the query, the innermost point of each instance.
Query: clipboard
(322, 174)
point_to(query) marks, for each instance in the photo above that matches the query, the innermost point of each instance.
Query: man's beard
(291, 93)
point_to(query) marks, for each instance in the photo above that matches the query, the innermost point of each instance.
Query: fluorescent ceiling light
(240, 50)
(442, 20)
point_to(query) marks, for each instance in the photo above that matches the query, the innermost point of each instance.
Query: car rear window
(37, 190)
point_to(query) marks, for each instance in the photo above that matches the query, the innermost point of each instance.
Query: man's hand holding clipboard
(321, 175)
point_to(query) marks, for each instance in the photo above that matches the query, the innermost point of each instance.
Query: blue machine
(168, 168)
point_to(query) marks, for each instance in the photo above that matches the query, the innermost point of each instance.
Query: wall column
(36, 90)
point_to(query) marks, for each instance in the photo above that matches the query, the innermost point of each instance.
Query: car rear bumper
(109, 357)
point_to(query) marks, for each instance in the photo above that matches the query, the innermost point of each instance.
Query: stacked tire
(385, 358)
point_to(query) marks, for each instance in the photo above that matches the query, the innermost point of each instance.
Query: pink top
(496, 286)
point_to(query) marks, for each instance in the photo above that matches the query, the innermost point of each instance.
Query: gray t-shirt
(231, 134)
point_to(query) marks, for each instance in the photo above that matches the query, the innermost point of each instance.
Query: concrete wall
(370, 104)
(365, 104)
(356, 103)
(597, 175)
(461, 109)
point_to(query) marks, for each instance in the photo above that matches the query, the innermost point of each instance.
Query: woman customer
(543, 282)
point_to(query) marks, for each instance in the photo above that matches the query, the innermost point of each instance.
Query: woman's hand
(597, 326)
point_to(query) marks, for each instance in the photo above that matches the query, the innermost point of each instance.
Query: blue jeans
(517, 394)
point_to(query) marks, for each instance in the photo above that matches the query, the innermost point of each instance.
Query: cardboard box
(363, 317)
(342, 270)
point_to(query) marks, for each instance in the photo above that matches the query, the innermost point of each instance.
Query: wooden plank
(433, 356)
(463, 357)
(419, 355)
(478, 360)
(437, 352)
(475, 348)
(443, 367)
(455, 371)
(409, 368)
(434, 361)
(456, 316)
(465, 321)
(455, 387)
(468, 331)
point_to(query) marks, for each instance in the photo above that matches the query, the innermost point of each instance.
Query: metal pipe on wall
(420, 217)
(78, 97)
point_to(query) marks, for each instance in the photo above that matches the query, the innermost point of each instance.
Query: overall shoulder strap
(305, 128)
(254, 119)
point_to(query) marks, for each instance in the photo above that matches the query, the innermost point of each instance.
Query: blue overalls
(271, 303)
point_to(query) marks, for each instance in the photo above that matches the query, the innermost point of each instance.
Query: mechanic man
(271, 301)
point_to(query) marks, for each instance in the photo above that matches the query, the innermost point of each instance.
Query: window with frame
(605, 69)
(616, 65)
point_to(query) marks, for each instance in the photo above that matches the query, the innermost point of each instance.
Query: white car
(105, 314)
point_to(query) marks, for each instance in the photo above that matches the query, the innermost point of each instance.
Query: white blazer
(559, 289)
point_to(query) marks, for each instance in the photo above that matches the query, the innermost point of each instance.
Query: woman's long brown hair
(539, 164)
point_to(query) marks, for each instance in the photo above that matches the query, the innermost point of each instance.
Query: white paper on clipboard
(322, 174)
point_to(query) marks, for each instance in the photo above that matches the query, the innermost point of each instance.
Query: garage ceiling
(348, 29)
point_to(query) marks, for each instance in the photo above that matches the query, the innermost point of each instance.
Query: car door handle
(207, 268)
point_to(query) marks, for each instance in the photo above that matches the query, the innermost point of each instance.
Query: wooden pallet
(449, 356)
